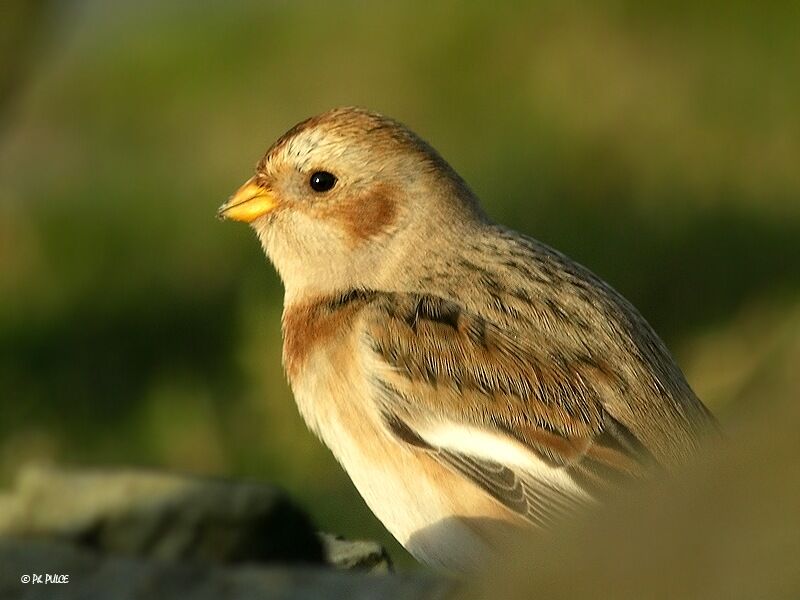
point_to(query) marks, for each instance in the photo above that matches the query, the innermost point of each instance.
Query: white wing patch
(488, 445)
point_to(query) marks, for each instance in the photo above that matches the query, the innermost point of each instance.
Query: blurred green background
(659, 144)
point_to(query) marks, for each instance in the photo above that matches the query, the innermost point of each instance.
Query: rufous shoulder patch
(309, 324)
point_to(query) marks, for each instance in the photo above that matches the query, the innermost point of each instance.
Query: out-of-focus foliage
(657, 144)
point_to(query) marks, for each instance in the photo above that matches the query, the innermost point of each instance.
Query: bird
(472, 381)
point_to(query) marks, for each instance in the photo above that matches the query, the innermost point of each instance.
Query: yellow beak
(248, 203)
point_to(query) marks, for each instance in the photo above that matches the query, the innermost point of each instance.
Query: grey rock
(93, 576)
(356, 555)
(133, 534)
(159, 515)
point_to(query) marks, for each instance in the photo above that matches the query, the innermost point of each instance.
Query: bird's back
(579, 327)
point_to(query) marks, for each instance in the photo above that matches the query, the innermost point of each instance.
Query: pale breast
(440, 517)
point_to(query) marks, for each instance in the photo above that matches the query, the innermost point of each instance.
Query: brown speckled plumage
(420, 336)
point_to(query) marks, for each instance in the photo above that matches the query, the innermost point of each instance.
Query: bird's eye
(322, 181)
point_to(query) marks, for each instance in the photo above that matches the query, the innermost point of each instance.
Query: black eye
(322, 181)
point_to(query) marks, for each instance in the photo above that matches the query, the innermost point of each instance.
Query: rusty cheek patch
(367, 215)
(310, 325)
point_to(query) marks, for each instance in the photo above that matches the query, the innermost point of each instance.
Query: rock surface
(355, 555)
(108, 577)
(160, 515)
(144, 534)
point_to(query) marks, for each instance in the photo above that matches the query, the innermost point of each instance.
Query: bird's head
(343, 198)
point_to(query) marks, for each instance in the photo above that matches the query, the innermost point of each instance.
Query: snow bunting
(470, 380)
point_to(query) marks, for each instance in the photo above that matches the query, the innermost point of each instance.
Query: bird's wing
(527, 427)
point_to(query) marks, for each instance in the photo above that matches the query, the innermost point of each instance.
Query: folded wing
(528, 427)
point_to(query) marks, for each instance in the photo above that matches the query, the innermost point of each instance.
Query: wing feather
(437, 365)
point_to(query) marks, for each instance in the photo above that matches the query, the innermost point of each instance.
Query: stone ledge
(126, 533)
(106, 577)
